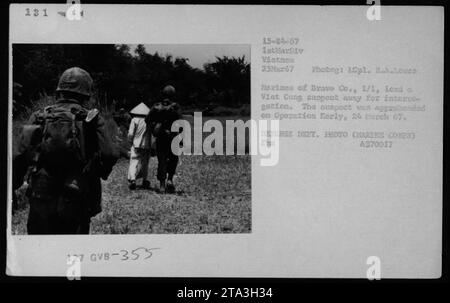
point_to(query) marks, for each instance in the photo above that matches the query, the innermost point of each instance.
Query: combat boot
(132, 185)
(162, 186)
(145, 184)
(170, 188)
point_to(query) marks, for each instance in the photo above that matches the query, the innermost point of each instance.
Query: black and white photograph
(92, 139)
(225, 141)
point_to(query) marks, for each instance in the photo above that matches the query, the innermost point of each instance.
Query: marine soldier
(161, 116)
(65, 149)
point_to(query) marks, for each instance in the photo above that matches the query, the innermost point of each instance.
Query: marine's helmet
(75, 80)
(169, 91)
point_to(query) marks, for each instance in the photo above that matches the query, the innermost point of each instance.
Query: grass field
(213, 195)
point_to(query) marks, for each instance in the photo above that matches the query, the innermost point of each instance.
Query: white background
(327, 205)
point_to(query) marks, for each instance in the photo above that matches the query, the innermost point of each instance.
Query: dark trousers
(167, 161)
(53, 217)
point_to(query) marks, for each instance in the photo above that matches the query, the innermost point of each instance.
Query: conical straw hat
(141, 109)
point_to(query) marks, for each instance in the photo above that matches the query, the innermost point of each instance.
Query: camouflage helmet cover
(75, 80)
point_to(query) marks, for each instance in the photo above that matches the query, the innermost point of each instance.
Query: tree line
(123, 78)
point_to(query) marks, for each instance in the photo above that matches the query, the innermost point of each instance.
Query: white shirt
(138, 133)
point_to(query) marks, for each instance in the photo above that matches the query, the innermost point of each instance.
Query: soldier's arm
(178, 115)
(108, 151)
(131, 130)
(22, 157)
(150, 121)
(19, 169)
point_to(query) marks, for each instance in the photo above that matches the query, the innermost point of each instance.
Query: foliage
(124, 79)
